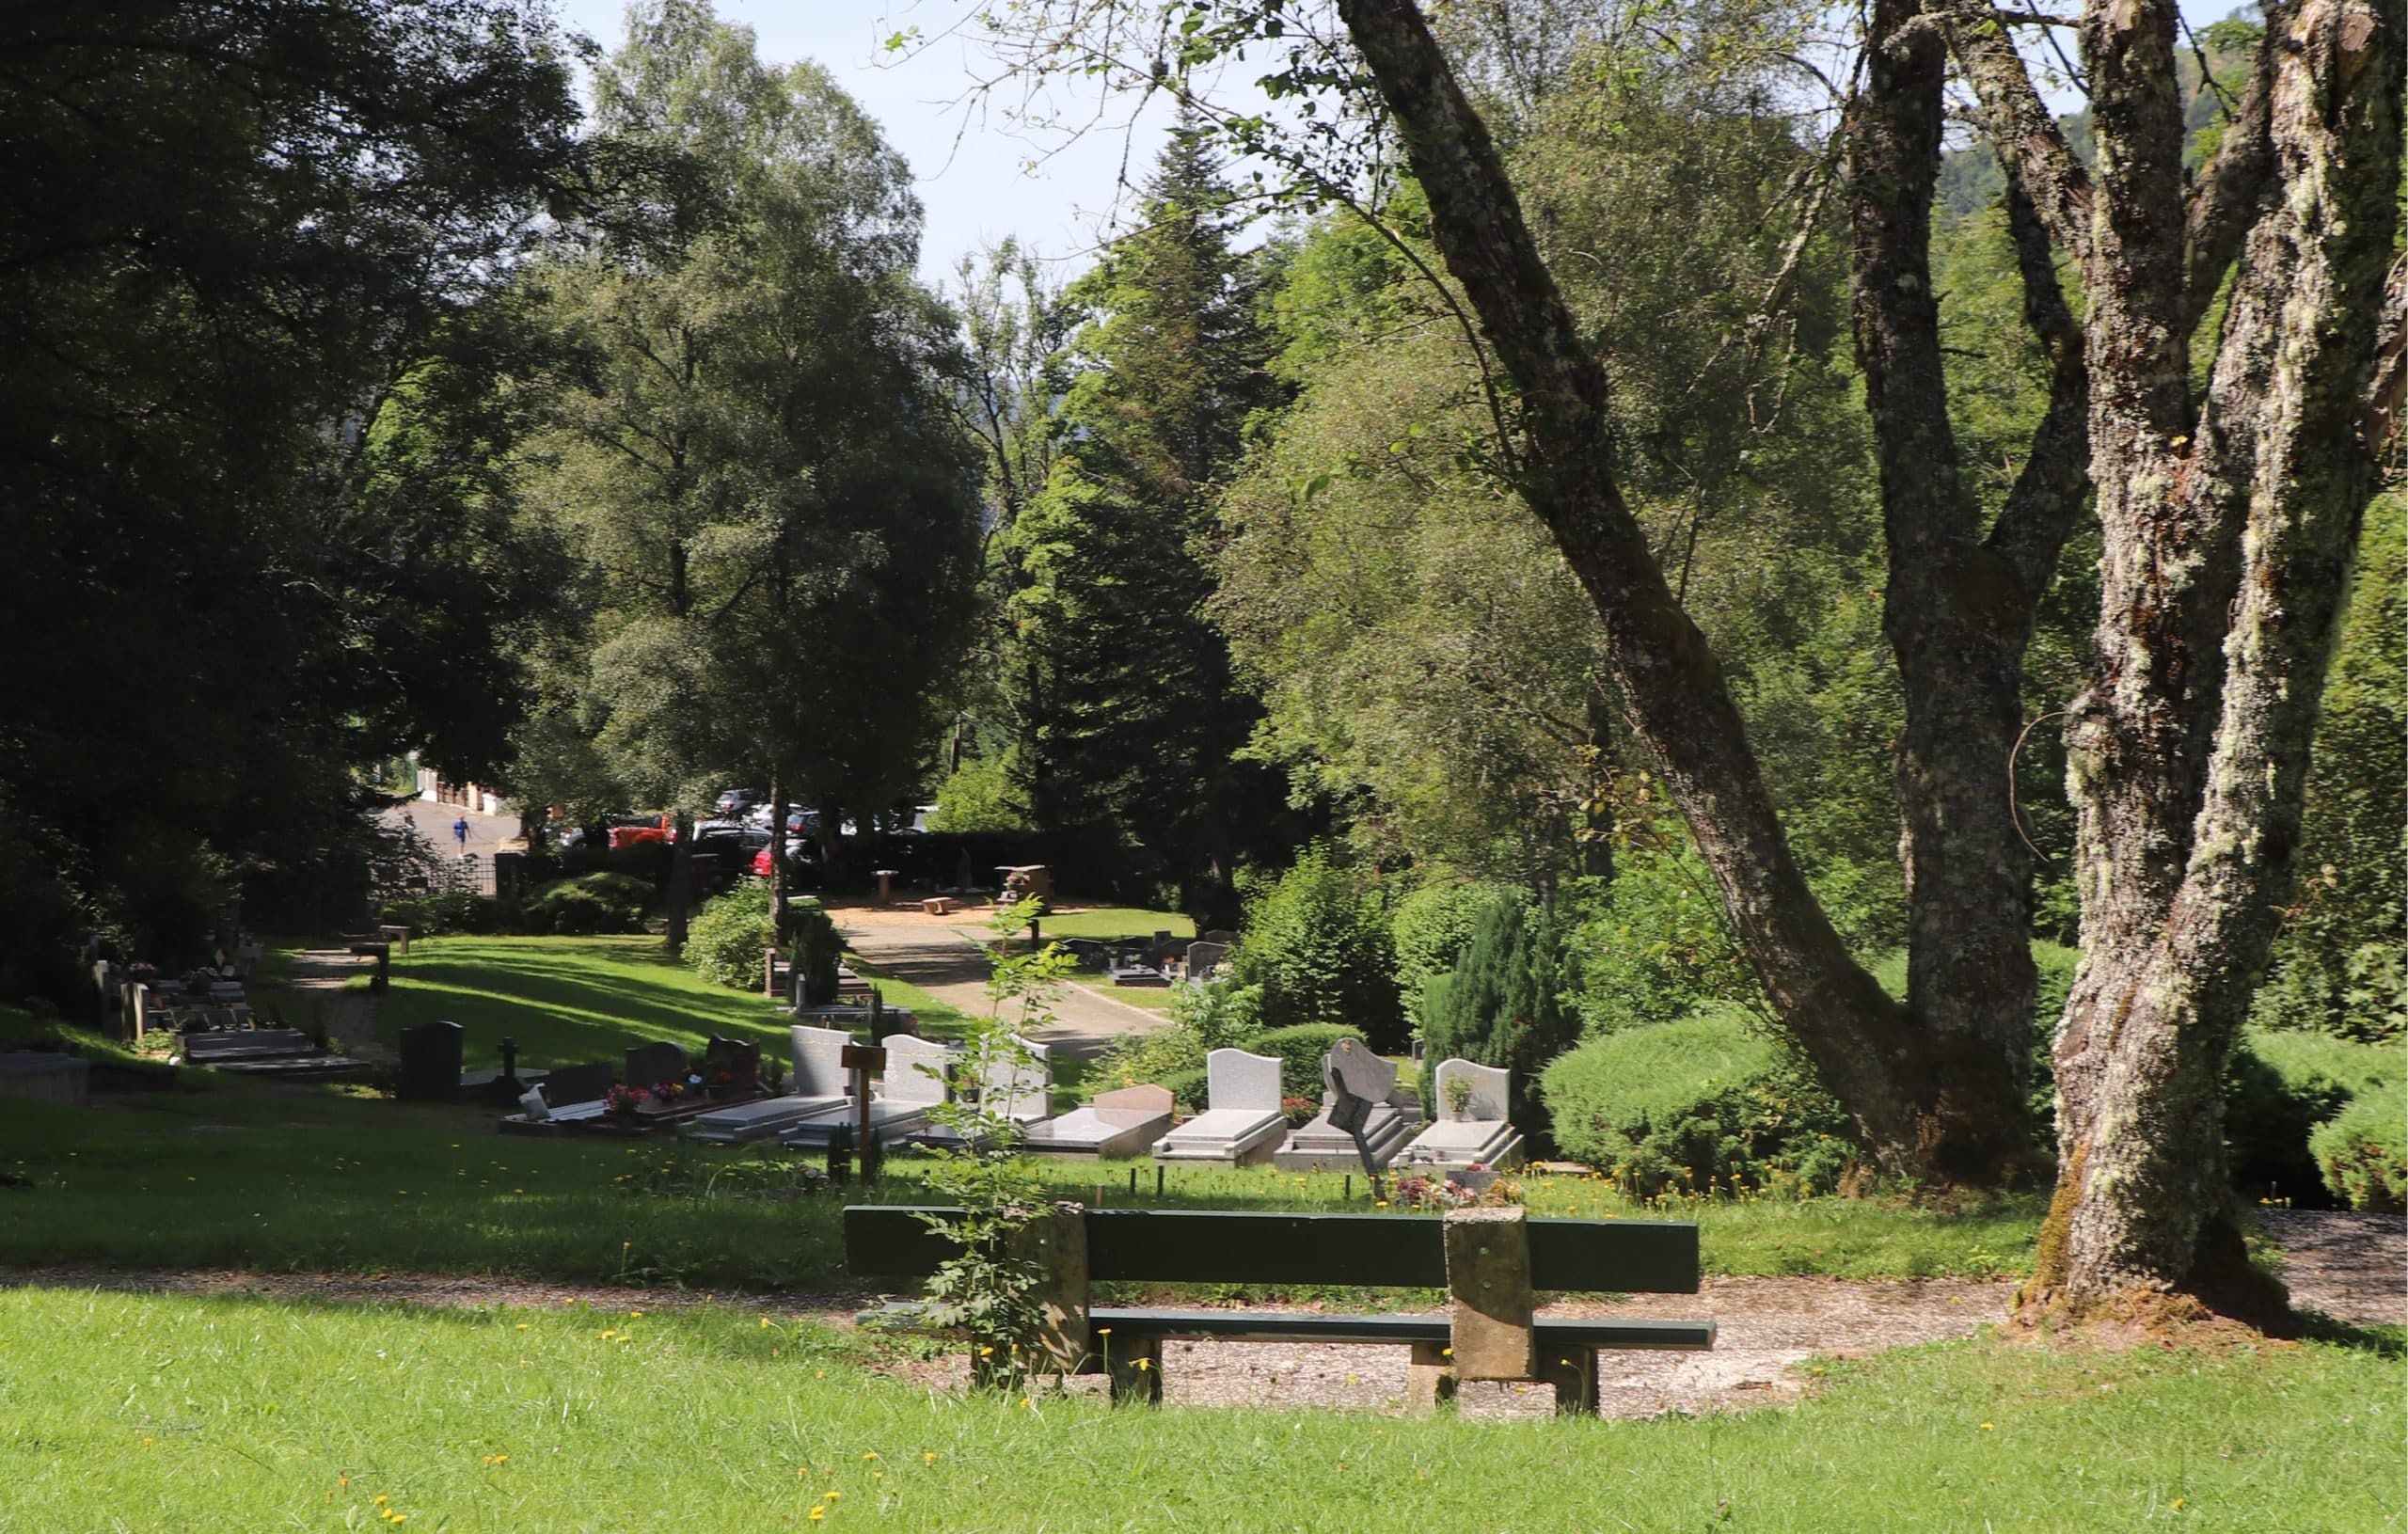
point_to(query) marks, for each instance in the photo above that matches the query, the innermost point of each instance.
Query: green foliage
(1653, 944)
(731, 935)
(978, 799)
(1300, 1049)
(1430, 930)
(1704, 1104)
(2337, 963)
(819, 950)
(460, 912)
(588, 904)
(1138, 722)
(1503, 1005)
(746, 449)
(2284, 1092)
(2364, 1150)
(1317, 943)
(1189, 1087)
(253, 599)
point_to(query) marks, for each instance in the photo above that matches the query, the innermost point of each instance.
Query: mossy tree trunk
(2228, 521)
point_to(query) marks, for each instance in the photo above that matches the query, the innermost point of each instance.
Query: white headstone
(819, 1062)
(1234, 1079)
(1488, 1083)
(916, 1069)
(1020, 1086)
(531, 1103)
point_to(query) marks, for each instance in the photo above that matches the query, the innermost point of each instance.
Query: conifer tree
(1142, 722)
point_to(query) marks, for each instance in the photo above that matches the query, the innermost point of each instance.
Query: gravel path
(935, 953)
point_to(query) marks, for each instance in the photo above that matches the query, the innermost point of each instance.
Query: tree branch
(2230, 193)
(2031, 529)
(2019, 124)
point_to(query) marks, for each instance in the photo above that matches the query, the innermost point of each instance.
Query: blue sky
(977, 178)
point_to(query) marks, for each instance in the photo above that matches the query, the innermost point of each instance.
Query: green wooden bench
(1489, 1261)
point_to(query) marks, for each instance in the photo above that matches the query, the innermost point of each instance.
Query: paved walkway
(943, 958)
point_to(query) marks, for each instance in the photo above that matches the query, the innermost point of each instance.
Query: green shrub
(1654, 943)
(729, 936)
(1430, 931)
(460, 913)
(1503, 1005)
(1300, 1049)
(1188, 1087)
(1703, 1103)
(818, 949)
(2364, 1152)
(2285, 1095)
(1317, 943)
(979, 799)
(587, 903)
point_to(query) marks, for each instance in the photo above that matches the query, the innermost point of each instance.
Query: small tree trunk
(681, 881)
(777, 874)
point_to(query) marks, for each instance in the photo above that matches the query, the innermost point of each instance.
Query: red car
(665, 829)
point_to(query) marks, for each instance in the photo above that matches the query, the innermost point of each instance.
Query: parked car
(803, 871)
(659, 828)
(735, 802)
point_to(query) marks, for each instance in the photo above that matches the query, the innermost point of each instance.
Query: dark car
(737, 801)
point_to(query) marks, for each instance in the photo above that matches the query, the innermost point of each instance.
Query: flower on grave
(624, 1100)
(668, 1091)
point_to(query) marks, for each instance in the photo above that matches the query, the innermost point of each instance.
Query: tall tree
(2230, 515)
(1143, 725)
(752, 457)
(238, 234)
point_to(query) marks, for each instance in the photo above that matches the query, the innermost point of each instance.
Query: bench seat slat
(1257, 1326)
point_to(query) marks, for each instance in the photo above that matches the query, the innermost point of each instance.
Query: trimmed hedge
(2363, 1152)
(1299, 1049)
(588, 904)
(1701, 1102)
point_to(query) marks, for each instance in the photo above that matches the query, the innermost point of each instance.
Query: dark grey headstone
(1358, 1081)
(429, 1063)
(570, 1085)
(660, 1061)
(741, 1061)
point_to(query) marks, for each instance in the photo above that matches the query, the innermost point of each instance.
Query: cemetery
(1204, 765)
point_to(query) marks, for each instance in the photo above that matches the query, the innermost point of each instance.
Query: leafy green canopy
(233, 237)
(748, 452)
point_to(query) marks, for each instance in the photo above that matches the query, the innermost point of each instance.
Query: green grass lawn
(299, 1178)
(567, 999)
(1107, 922)
(165, 1413)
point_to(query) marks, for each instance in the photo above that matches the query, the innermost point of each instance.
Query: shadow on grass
(2384, 1342)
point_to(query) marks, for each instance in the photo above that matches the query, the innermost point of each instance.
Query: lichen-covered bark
(2228, 533)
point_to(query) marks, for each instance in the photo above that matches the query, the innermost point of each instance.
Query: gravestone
(1359, 1124)
(1483, 1091)
(430, 1066)
(570, 1085)
(660, 1061)
(818, 1060)
(1204, 957)
(1234, 1079)
(917, 1070)
(740, 1060)
(1474, 1132)
(1019, 1085)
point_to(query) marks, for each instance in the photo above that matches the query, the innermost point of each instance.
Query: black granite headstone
(571, 1084)
(660, 1061)
(429, 1063)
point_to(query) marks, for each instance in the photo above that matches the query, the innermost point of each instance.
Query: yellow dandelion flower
(1145, 1363)
(817, 1513)
(520, 1327)
(634, 1313)
(831, 1493)
(382, 1501)
(869, 1454)
(765, 1323)
(929, 1458)
(1988, 1426)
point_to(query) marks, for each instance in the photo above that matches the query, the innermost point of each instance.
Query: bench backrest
(1213, 1246)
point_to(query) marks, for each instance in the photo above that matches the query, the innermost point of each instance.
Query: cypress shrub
(1502, 1004)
